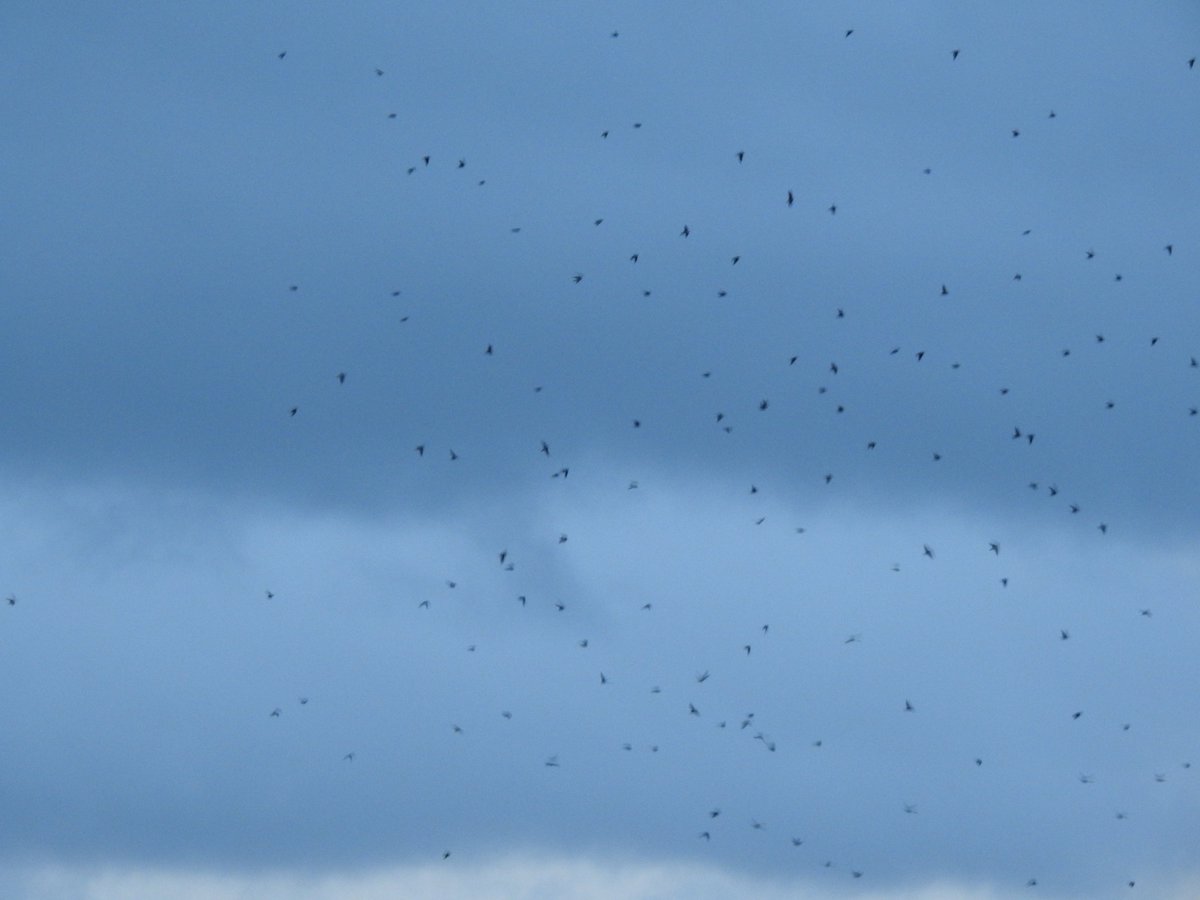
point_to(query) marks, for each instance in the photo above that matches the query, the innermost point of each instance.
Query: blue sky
(686, 532)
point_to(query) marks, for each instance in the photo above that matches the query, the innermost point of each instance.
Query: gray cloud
(173, 179)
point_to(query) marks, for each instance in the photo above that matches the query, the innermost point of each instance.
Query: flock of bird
(541, 446)
(560, 459)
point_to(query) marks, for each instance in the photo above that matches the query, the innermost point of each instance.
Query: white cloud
(521, 878)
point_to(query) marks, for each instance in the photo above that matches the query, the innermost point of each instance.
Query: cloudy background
(210, 211)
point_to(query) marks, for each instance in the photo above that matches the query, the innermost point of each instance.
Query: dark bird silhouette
(341, 377)
(293, 410)
(741, 155)
(686, 231)
(282, 54)
(928, 551)
(954, 54)
(790, 199)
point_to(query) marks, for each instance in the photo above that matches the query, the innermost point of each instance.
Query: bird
(282, 54)
(341, 377)
(791, 199)
(928, 551)
(954, 54)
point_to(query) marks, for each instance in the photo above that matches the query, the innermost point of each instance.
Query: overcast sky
(610, 450)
